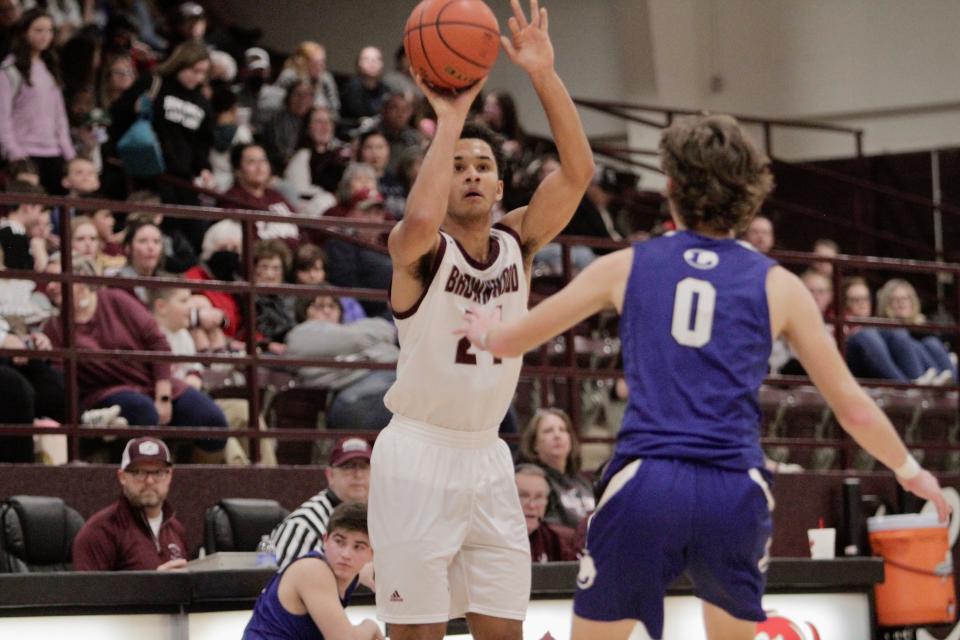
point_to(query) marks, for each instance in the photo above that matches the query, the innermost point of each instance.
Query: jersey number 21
(693, 305)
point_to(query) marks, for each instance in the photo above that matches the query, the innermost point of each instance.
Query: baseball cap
(145, 449)
(348, 449)
(257, 58)
(190, 10)
(365, 199)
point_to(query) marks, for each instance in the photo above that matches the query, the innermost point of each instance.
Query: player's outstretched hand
(529, 45)
(477, 324)
(927, 487)
(450, 103)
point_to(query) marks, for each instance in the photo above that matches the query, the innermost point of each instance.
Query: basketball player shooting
(445, 518)
(686, 489)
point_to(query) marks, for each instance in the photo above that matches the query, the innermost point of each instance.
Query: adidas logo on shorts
(395, 597)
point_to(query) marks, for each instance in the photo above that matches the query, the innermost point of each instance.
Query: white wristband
(909, 469)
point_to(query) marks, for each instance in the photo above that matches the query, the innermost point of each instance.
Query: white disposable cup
(822, 543)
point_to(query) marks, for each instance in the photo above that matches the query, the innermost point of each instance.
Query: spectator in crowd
(81, 178)
(139, 532)
(145, 15)
(43, 241)
(80, 57)
(398, 79)
(821, 288)
(352, 265)
(89, 135)
(257, 99)
(171, 308)
(500, 114)
(10, 12)
(19, 251)
(143, 247)
(782, 358)
(310, 61)
(281, 132)
(117, 74)
(548, 542)
(223, 68)
(299, 600)
(112, 319)
(362, 95)
(219, 260)
(178, 253)
(33, 390)
(395, 125)
(358, 403)
(315, 170)
(760, 234)
(68, 16)
(271, 259)
(111, 241)
(898, 300)
(122, 35)
(856, 298)
(189, 24)
(348, 481)
(550, 442)
(228, 132)
(85, 239)
(33, 118)
(890, 354)
(358, 176)
(252, 178)
(183, 121)
(829, 249)
(308, 268)
(374, 150)
(593, 218)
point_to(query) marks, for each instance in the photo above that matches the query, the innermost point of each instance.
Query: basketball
(451, 43)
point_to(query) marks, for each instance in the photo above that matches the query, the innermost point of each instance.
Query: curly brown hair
(718, 177)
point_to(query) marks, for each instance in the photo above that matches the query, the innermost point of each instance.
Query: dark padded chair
(237, 524)
(36, 534)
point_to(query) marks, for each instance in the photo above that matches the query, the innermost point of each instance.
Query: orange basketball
(451, 43)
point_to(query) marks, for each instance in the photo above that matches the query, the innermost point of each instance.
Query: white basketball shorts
(446, 526)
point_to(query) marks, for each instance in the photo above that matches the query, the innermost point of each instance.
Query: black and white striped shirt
(302, 531)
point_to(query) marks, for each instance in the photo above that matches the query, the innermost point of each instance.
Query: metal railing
(570, 372)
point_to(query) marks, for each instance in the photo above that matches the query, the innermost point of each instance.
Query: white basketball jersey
(441, 379)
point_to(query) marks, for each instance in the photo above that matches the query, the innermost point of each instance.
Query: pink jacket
(33, 119)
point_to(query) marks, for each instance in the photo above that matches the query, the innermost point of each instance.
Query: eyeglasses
(143, 474)
(534, 500)
(362, 467)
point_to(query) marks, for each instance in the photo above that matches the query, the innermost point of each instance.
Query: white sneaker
(943, 378)
(105, 417)
(928, 376)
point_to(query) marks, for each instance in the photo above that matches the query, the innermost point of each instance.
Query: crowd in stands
(240, 126)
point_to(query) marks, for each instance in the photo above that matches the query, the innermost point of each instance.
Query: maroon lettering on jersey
(482, 291)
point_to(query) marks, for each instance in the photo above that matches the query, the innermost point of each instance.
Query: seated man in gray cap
(138, 532)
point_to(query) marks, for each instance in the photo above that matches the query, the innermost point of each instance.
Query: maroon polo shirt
(119, 538)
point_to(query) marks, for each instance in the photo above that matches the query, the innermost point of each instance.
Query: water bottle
(266, 553)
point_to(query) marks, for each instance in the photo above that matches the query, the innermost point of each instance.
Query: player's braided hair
(719, 177)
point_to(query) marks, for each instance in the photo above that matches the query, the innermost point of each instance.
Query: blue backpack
(139, 148)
